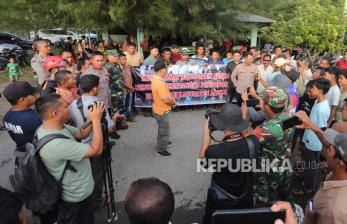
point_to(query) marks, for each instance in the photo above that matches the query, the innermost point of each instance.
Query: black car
(9, 38)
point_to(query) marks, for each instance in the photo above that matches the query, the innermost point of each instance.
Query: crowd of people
(83, 86)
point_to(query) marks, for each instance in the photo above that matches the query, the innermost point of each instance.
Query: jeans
(128, 105)
(163, 131)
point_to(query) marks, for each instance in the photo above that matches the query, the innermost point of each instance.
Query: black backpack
(31, 179)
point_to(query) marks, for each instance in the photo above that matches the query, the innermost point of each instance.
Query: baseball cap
(339, 140)
(184, 50)
(53, 62)
(112, 53)
(280, 62)
(290, 73)
(274, 97)
(229, 119)
(160, 64)
(281, 81)
(17, 90)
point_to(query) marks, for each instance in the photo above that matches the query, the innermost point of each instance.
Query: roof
(246, 17)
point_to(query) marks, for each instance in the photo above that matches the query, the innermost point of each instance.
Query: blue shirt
(212, 62)
(319, 116)
(226, 61)
(21, 126)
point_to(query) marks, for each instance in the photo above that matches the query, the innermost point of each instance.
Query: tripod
(112, 214)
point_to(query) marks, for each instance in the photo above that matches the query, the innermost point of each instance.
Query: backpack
(32, 181)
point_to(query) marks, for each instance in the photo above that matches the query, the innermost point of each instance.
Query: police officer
(274, 185)
(37, 62)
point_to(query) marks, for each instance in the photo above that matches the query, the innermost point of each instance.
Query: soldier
(43, 48)
(116, 84)
(274, 184)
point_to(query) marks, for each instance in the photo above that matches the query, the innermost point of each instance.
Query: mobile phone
(247, 216)
(252, 102)
(291, 122)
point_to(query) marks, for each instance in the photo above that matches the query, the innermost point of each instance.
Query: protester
(133, 57)
(343, 95)
(77, 185)
(256, 55)
(38, 60)
(175, 55)
(333, 95)
(327, 204)
(228, 58)
(200, 58)
(291, 61)
(319, 116)
(128, 85)
(163, 103)
(215, 58)
(243, 76)
(149, 201)
(184, 57)
(341, 126)
(21, 121)
(342, 63)
(66, 82)
(153, 56)
(325, 62)
(101, 46)
(235, 146)
(278, 52)
(11, 208)
(319, 72)
(276, 142)
(264, 71)
(292, 75)
(229, 69)
(98, 69)
(68, 45)
(166, 56)
(305, 75)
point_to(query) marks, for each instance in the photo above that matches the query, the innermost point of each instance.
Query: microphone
(86, 125)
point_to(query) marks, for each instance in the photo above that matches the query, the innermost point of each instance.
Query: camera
(103, 114)
(211, 114)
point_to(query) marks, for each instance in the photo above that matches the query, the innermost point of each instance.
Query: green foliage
(315, 25)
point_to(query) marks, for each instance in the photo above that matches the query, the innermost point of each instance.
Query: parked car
(7, 50)
(91, 33)
(56, 36)
(24, 44)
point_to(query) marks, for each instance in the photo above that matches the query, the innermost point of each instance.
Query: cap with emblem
(112, 53)
(274, 97)
(279, 62)
(17, 90)
(184, 50)
(339, 140)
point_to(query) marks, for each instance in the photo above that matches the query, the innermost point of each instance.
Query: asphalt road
(134, 157)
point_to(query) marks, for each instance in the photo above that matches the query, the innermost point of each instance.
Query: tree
(317, 26)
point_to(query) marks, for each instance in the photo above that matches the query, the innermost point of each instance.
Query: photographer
(237, 144)
(89, 84)
(77, 185)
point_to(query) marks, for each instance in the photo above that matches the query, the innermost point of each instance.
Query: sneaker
(115, 135)
(163, 154)
(169, 143)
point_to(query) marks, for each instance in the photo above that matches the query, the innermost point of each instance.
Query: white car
(91, 33)
(56, 35)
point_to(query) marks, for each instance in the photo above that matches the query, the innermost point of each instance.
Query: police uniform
(37, 65)
(274, 184)
(104, 92)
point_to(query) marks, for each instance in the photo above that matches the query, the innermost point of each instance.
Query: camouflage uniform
(274, 185)
(116, 84)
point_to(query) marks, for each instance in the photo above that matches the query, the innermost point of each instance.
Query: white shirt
(333, 96)
(265, 75)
